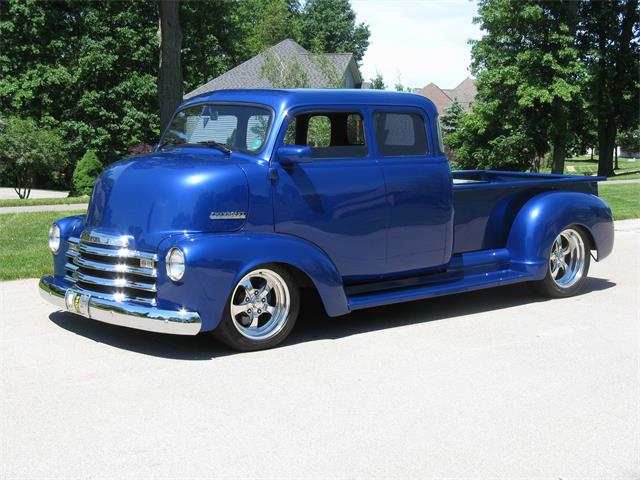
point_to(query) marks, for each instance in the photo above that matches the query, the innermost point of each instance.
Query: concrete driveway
(493, 384)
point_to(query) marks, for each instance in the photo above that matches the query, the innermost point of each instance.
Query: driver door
(338, 200)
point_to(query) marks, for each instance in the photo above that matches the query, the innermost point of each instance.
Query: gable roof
(438, 96)
(465, 92)
(248, 74)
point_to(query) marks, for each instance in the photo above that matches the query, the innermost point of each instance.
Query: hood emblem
(228, 215)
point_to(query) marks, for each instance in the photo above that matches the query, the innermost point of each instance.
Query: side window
(329, 134)
(290, 134)
(355, 129)
(257, 126)
(440, 138)
(400, 134)
(319, 133)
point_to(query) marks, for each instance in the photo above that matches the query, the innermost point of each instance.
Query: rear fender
(544, 216)
(216, 262)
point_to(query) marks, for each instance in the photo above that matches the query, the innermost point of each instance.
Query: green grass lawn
(24, 252)
(624, 199)
(629, 168)
(19, 202)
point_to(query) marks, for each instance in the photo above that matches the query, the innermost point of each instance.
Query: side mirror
(293, 154)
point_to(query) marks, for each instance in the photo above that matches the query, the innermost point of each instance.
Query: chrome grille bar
(116, 297)
(119, 253)
(115, 268)
(113, 282)
(103, 266)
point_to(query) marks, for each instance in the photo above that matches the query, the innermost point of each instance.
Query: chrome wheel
(567, 259)
(260, 304)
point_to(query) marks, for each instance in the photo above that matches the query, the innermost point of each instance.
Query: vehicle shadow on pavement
(313, 323)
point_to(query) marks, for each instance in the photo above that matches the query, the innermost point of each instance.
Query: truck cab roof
(281, 100)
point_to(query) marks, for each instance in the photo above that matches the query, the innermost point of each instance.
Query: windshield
(238, 127)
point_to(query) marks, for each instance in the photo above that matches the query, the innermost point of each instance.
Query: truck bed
(487, 201)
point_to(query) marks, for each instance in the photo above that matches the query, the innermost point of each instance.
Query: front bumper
(131, 315)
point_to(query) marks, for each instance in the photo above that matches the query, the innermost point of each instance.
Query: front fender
(69, 227)
(544, 216)
(216, 262)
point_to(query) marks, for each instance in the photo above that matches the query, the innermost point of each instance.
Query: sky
(421, 41)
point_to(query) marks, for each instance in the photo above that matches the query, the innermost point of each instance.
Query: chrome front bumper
(119, 313)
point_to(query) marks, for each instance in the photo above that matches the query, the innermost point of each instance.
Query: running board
(464, 283)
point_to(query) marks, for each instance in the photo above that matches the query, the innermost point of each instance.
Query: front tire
(568, 264)
(261, 310)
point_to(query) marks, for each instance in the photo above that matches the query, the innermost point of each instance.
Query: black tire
(230, 329)
(553, 287)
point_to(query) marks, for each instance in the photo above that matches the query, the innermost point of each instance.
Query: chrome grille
(103, 266)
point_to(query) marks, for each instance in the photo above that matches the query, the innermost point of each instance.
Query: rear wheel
(568, 264)
(261, 310)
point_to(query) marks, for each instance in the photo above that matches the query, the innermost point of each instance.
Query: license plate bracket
(77, 303)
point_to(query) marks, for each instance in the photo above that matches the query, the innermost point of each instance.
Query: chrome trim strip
(121, 253)
(124, 314)
(73, 240)
(114, 282)
(70, 266)
(91, 236)
(112, 297)
(72, 253)
(115, 268)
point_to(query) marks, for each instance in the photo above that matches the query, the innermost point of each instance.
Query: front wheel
(568, 264)
(261, 310)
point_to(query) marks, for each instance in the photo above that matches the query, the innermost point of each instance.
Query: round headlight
(54, 238)
(175, 264)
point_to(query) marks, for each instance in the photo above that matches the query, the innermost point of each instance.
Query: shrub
(85, 174)
(28, 149)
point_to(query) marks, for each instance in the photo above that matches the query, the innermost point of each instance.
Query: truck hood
(151, 196)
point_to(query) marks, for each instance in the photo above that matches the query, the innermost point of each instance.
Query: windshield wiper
(214, 144)
(166, 143)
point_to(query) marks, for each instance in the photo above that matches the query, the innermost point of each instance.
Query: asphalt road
(498, 384)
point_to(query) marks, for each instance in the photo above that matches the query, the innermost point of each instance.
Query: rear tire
(261, 310)
(568, 264)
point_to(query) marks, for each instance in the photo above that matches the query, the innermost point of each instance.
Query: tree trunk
(606, 140)
(170, 71)
(559, 140)
(561, 117)
(615, 153)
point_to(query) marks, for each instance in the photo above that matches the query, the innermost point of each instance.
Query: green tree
(529, 79)
(27, 150)
(267, 22)
(283, 71)
(451, 118)
(399, 86)
(377, 83)
(89, 68)
(85, 174)
(609, 40)
(329, 26)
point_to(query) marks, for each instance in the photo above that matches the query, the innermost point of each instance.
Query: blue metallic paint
(69, 227)
(216, 262)
(340, 221)
(543, 217)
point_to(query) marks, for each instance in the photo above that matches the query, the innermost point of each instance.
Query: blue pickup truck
(252, 195)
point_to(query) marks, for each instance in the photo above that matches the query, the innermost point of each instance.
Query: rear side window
(328, 134)
(400, 134)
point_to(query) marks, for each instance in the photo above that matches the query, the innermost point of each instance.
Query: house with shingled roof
(465, 92)
(249, 74)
